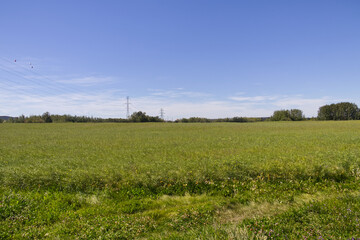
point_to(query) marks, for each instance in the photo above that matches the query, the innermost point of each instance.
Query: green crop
(180, 181)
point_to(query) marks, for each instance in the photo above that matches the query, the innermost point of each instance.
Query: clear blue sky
(191, 58)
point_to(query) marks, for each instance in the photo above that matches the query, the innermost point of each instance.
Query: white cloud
(177, 103)
(177, 93)
(86, 81)
(104, 104)
(309, 106)
(253, 99)
(110, 104)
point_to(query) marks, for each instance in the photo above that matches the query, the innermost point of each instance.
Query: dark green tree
(339, 111)
(296, 115)
(281, 115)
(46, 117)
(326, 113)
(139, 117)
(20, 119)
(142, 117)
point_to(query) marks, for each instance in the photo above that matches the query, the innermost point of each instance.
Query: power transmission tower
(127, 107)
(162, 113)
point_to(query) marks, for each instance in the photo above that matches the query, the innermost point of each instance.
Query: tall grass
(132, 166)
(84, 157)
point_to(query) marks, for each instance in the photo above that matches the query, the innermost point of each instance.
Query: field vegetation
(260, 180)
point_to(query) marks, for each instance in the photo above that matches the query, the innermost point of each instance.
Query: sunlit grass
(171, 180)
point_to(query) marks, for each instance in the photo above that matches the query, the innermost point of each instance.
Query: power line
(49, 83)
(22, 95)
(26, 88)
(41, 85)
(17, 83)
(9, 87)
(27, 80)
(133, 106)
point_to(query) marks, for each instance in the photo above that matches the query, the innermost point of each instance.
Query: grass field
(266, 180)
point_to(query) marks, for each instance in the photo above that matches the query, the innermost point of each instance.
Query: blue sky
(191, 58)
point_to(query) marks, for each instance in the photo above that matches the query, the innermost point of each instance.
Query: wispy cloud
(26, 91)
(177, 103)
(69, 80)
(309, 106)
(203, 108)
(104, 104)
(27, 73)
(86, 81)
(254, 99)
(177, 93)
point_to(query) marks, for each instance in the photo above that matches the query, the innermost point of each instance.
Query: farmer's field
(180, 181)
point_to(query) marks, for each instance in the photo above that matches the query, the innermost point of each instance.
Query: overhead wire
(21, 95)
(135, 107)
(19, 78)
(40, 81)
(11, 88)
(16, 65)
(17, 82)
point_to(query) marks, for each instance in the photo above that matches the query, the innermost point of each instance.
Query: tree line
(50, 118)
(288, 115)
(335, 111)
(339, 111)
(207, 120)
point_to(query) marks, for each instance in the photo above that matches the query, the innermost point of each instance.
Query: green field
(274, 180)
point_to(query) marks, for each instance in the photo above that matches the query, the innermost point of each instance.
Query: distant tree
(20, 119)
(198, 119)
(1, 120)
(239, 119)
(347, 111)
(296, 115)
(34, 119)
(194, 120)
(287, 115)
(155, 119)
(326, 113)
(139, 117)
(46, 117)
(281, 115)
(339, 111)
(142, 117)
(183, 120)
